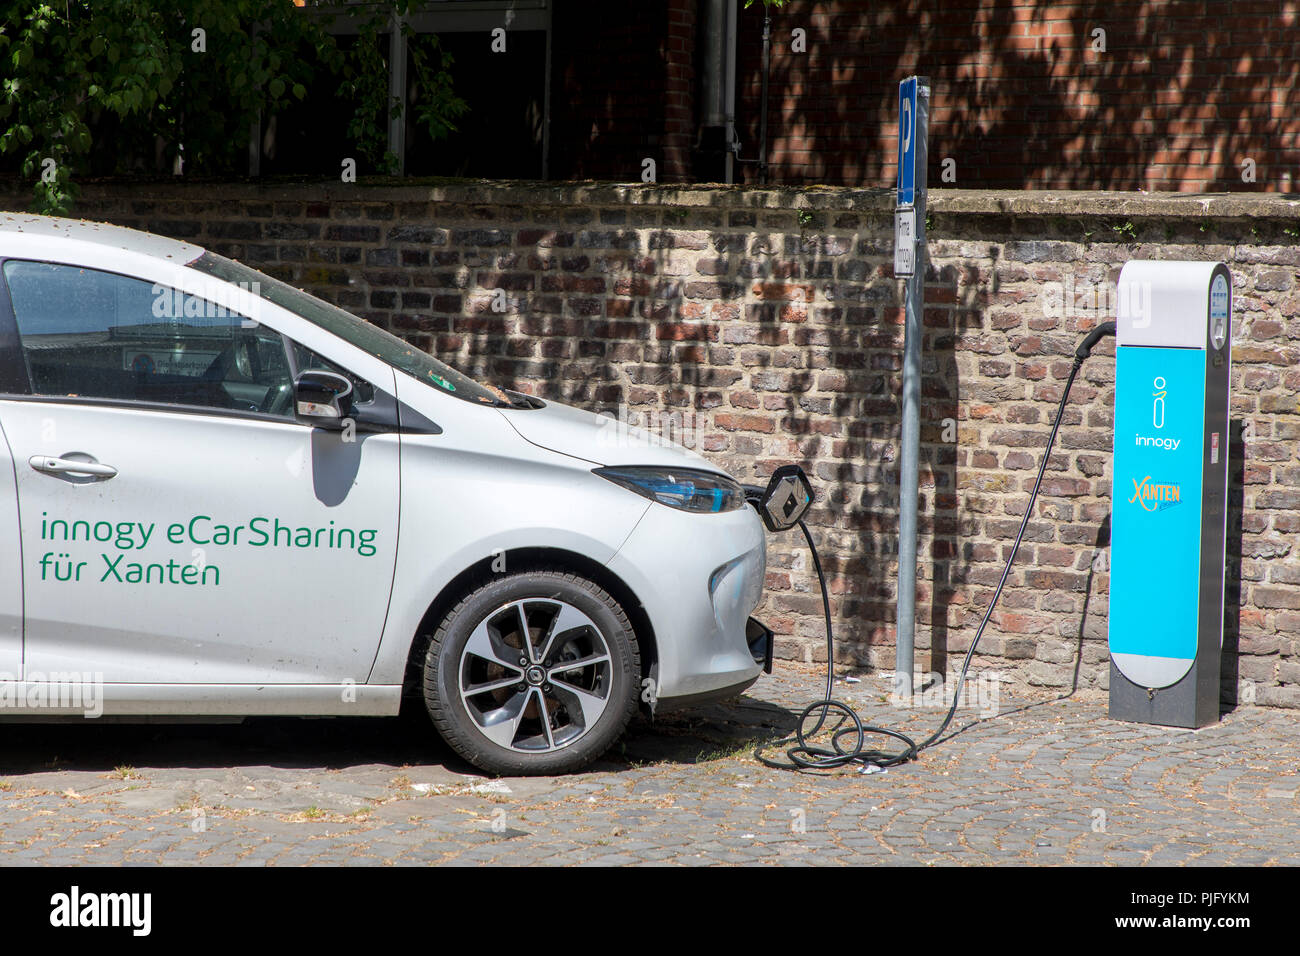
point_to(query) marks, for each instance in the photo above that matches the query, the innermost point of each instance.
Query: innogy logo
(1158, 403)
(1170, 444)
(1158, 419)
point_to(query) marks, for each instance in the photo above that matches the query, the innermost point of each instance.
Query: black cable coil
(849, 736)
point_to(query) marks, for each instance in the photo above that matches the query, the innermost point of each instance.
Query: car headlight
(686, 489)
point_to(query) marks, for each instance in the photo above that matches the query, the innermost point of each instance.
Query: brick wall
(679, 90)
(774, 316)
(1183, 94)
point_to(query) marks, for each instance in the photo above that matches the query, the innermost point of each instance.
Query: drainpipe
(718, 87)
(762, 119)
(397, 91)
(729, 76)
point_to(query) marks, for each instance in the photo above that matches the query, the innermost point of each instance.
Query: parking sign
(907, 141)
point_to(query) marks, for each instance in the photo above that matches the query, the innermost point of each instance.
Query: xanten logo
(1154, 497)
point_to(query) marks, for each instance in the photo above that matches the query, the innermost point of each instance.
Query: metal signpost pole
(909, 261)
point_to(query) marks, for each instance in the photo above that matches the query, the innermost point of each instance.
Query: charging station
(1169, 504)
(1169, 491)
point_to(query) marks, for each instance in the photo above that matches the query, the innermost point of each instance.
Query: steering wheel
(239, 360)
(233, 360)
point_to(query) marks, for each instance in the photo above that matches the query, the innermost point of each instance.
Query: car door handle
(67, 466)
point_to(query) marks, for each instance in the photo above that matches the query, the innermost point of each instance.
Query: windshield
(364, 335)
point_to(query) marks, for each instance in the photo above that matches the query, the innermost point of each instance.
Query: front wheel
(535, 673)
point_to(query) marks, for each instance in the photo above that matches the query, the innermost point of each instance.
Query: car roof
(100, 234)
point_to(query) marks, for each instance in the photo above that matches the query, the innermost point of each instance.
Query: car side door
(179, 525)
(11, 576)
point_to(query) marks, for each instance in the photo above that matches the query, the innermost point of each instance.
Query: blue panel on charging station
(1156, 511)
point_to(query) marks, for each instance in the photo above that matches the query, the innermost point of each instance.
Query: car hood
(599, 439)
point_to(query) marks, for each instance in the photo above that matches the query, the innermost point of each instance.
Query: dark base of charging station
(1192, 702)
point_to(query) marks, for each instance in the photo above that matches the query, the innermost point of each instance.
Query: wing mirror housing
(322, 399)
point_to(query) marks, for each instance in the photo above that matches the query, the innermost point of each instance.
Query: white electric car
(222, 496)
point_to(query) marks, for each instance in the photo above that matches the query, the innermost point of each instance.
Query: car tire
(552, 707)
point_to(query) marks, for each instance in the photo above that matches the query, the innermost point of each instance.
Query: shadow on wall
(782, 378)
(774, 375)
(1230, 672)
(941, 389)
(1022, 99)
(782, 331)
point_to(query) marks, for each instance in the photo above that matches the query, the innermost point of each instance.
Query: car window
(94, 334)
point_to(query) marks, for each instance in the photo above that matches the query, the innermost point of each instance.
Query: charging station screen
(1156, 512)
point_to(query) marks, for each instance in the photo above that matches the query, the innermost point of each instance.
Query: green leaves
(125, 71)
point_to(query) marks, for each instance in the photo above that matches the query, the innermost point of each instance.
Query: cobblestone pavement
(1051, 780)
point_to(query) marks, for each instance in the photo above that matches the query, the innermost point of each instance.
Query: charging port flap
(761, 641)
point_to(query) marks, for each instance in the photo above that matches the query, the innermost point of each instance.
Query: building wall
(769, 323)
(622, 90)
(1183, 94)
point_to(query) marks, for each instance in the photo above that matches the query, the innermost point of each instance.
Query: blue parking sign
(907, 141)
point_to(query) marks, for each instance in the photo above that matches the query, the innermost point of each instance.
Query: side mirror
(322, 399)
(787, 498)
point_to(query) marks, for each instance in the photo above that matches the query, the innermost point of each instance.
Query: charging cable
(849, 735)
